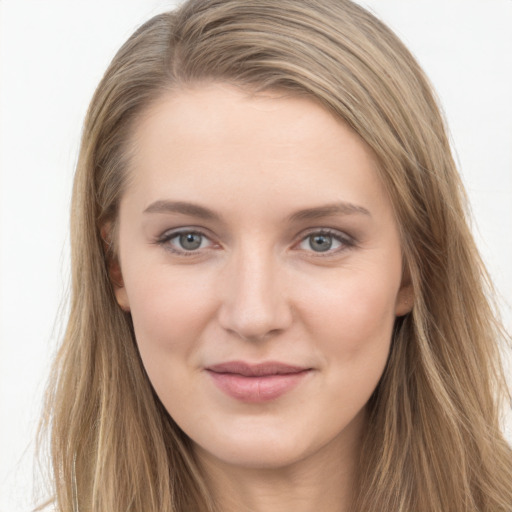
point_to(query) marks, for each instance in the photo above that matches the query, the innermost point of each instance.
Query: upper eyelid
(171, 233)
(205, 232)
(336, 233)
(326, 230)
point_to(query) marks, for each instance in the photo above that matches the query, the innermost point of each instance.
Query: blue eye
(184, 242)
(320, 243)
(323, 242)
(190, 241)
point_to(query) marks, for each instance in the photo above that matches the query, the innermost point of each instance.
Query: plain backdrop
(53, 53)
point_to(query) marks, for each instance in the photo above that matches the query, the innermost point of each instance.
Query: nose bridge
(255, 304)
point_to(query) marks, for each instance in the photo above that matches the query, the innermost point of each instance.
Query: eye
(325, 241)
(189, 241)
(184, 242)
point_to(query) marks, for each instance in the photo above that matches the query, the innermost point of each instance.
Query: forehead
(279, 148)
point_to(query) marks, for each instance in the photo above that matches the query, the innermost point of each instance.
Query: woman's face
(262, 268)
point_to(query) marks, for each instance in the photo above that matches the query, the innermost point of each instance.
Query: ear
(404, 300)
(405, 296)
(114, 267)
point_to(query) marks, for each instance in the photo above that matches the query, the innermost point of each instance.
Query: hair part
(434, 441)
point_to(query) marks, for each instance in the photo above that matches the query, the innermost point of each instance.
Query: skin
(257, 290)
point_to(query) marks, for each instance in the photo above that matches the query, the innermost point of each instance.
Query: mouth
(256, 383)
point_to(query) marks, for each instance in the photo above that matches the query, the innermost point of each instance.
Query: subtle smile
(256, 383)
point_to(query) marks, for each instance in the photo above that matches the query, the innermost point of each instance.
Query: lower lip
(257, 389)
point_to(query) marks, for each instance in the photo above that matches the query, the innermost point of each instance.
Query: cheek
(356, 308)
(353, 328)
(167, 314)
(168, 321)
(351, 319)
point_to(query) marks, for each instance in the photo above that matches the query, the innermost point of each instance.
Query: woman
(277, 303)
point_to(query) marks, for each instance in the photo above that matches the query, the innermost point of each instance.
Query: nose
(255, 305)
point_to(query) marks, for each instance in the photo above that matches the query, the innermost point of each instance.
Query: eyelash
(165, 239)
(346, 241)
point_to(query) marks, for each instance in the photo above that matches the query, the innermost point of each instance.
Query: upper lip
(256, 370)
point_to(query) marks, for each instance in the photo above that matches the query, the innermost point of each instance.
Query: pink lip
(256, 383)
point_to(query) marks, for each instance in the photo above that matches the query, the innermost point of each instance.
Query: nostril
(255, 338)
(255, 325)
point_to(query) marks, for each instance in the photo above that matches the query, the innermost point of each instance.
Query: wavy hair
(433, 442)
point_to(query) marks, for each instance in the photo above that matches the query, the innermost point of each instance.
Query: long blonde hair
(433, 442)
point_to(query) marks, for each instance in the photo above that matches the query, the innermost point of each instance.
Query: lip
(256, 383)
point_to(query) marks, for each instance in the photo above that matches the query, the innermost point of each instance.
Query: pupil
(190, 241)
(320, 243)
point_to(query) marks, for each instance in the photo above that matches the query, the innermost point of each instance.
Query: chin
(273, 447)
(256, 453)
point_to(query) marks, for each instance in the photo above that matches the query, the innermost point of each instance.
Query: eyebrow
(195, 210)
(182, 207)
(328, 211)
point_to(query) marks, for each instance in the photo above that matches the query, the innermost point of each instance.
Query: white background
(53, 54)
